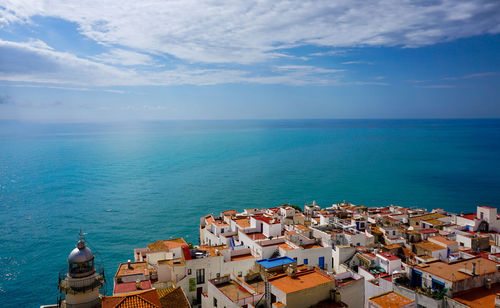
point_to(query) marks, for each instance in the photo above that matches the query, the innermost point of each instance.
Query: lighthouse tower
(81, 283)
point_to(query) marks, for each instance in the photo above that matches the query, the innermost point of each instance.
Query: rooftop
(146, 299)
(233, 290)
(389, 256)
(479, 297)
(270, 263)
(390, 300)
(302, 280)
(242, 222)
(430, 246)
(126, 287)
(443, 240)
(451, 271)
(134, 269)
(173, 298)
(241, 257)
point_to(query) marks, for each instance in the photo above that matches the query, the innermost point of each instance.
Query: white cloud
(472, 76)
(436, 86)
(252, 31)
(124, 57)
(35, 62)
(357, 62)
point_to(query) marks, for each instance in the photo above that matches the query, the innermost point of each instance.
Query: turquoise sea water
(128, 185)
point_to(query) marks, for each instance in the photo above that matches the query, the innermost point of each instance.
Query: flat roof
(134, 269)
(391, 300)
(270, 263)
(479, 297)
(389, 256)
(443, 240)
(233, 290)
(451, 271)
(126, 287)
(241, 257)
(430, 246)
(302, 280)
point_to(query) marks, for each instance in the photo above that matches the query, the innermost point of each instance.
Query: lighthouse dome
(80, 254)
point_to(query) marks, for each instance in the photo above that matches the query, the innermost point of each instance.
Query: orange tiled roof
(175, 243)
(143, 299)
(173, 298)
(158, 246)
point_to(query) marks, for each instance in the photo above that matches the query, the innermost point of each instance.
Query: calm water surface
(129, 185)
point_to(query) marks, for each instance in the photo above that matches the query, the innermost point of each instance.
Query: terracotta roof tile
(143, 299)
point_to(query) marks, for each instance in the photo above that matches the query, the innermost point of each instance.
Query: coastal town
(343, 255)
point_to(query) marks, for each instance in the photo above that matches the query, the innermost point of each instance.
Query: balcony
(81, 285)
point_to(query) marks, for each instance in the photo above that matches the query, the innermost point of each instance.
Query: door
(322, 262)
(199, 290)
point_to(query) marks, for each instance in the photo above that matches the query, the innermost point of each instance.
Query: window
(189, 271)
(306, 261)
(222, 230)
(240, 274)
(215, 302)
(218, 275)
(482, 215)
(437, 285)
(200, 276)
(295, 258)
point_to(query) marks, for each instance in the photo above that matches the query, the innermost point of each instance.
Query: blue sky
(153, 60)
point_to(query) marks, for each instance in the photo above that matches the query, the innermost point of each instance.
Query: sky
(93, 61)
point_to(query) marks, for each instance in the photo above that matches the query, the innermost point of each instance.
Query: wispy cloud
(124, 57)
(62, 70)
(357, 62)
(82, 89)
(472, 76)
(327, 53)
(436, 86)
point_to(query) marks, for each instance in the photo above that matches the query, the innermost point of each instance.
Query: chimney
(129, 264)
(488, 284)
(138, 284)
(474, 268)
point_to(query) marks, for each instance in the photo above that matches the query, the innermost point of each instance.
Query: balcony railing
(78, 285)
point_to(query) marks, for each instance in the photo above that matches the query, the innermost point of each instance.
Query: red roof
(256, 236)
(389, 256)
(126, 287)
(263, 218)
(471, 216)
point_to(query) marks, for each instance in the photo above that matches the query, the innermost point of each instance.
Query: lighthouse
(80, 284)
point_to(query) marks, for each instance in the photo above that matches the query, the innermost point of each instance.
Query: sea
(129, 184)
